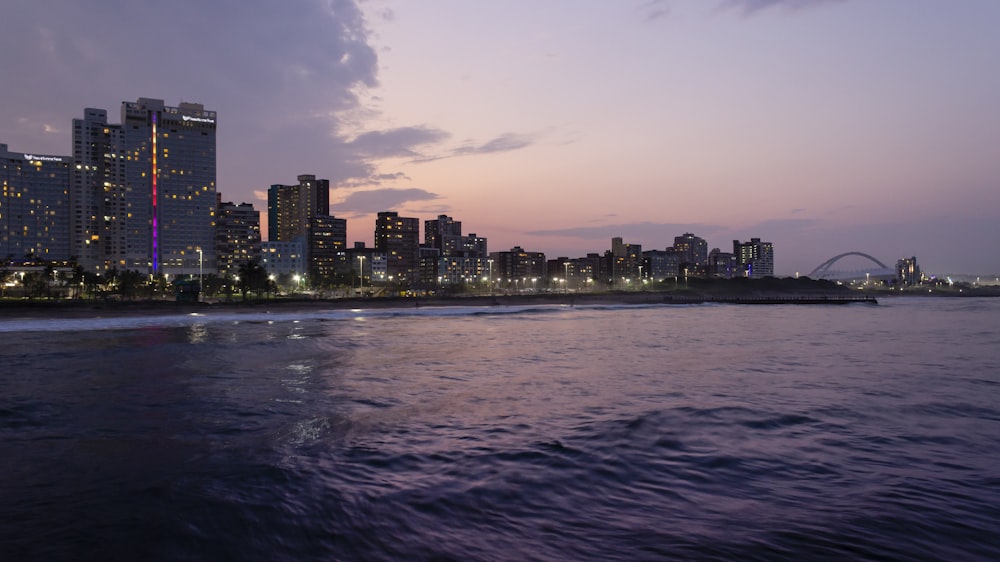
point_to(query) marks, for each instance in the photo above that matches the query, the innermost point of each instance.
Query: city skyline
(822, 126)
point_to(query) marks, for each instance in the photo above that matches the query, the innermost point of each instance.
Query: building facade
(34, 206)
(237, 238)
(518, 264)
(170, 191)
(98, 195)
(326, 251)
(693, 250)
(399, 239)
(907, 272)
(754, 259)
(283, 258)
(663, 264)
(291, 208)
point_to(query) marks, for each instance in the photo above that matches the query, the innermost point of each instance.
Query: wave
(184, 320)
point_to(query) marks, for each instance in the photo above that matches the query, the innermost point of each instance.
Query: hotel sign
(33, 158)
(197, 119)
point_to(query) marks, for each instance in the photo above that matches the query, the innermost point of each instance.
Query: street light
(361, 282)
(490, 261)
(200, 270)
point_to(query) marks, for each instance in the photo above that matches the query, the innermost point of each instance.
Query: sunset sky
(823, 126)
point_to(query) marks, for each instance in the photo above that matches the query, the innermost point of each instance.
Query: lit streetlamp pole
(490, 261)
(361, 281)
(201, 270)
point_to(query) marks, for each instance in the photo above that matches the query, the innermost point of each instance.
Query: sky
(822, 126)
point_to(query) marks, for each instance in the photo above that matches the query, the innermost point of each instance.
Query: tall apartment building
(443, 233)
(662, 264)
(625, 260)
(693, 249)
(100, 214)
(448, 257)
(327, 248)
(722, 265)
(291, 208)
(907, 271)
(237, 238)
(170, 191)
(754, 259)
(34, 206)
(530, 267)
(302, 212)
(399, 238)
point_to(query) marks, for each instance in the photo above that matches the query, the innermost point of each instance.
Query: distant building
(662, 264)
(302, 212)
(327, 245)
(291, 208)
(443, 238)
(457, 270)
(34, 206)
(368, 266)
(754, 259)
(721, 265)
(399, 238)
(529, 267)
(693, 250)
(283, 258)
(908, 272)
(625, 261)
(444, 234)
(237, 235)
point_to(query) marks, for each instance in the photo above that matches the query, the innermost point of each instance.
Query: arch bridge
(823, 270)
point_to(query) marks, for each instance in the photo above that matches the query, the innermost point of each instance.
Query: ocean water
(701, 432)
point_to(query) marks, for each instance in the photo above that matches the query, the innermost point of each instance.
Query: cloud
(284, 77)
(502, 143)
(399, 142)
(654, 10)
(646, 233)
(749, 7)
(372, 201)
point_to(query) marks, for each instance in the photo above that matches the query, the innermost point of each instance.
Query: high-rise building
(238, 241)
(721, 265)
(907, 271)
(302, 212)
(170, 191)
(443, 233)
(291, 208)
(327, 248)
(662, 264)
(693, 249)
(529, 267)
(34, 206)
(443, 239)
(754, 259)
(624, 260)
(98, 195)
(399, 238)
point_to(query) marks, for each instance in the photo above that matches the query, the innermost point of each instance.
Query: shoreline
(97, 309)
(21, 309)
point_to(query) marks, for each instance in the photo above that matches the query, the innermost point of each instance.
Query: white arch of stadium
(823, 270)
